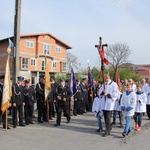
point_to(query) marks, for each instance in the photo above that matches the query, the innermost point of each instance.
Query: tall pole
(17, 21)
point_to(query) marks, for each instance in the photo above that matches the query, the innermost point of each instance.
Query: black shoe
(22, 125)
(5, 127)
(14, 126)
(56, 125)
(68, 120)
(113, 123)
(98, 130)
(40, 121)
(45, 120)
(31, 122)
(50, 118)
(105, 134)
(124, 134)
(27, 123)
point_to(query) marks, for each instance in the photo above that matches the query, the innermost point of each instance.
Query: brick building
(142, 70)
(34, 48)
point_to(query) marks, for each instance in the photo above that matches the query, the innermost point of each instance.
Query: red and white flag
(100, 49)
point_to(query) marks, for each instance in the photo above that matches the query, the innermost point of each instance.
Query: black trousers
(40, 111)
(19, 109)
(28, 112)
(66, 110)
(51, 109)
(148, 110)
(107, 118)
(75, 107)
(3, 117)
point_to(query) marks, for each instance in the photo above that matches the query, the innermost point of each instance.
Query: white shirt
(141, 106)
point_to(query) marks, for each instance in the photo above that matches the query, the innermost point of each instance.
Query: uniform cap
(41, 76)
(52, 78)
(27, 81)
(62, 80)
(2, 76)
(77, 80)
(20, 78)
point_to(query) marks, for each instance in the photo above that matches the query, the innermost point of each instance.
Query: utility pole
(17, 18)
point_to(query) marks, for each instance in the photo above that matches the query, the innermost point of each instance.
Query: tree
(72, 59)
(118, 55)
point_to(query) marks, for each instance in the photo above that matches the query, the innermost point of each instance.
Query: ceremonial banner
(47, 81)
(7, 92)
(117, 77)
(73, 85)
(90, 79)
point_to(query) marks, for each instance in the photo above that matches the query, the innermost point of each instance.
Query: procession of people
(128, 99)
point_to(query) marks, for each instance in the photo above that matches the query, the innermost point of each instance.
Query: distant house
(34, 48)
(143, 70)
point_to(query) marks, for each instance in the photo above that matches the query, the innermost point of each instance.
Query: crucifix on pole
(100, 49)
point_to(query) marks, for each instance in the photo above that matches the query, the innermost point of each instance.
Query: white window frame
(43, 65)
(29, 44)
(54, 64)
(46, 48)
(24, 63)
(64, 66)
(33, 62)
(58, 49)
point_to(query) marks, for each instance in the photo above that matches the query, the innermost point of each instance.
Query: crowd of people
(127, 99)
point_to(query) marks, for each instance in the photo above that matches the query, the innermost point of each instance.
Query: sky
(80, 23)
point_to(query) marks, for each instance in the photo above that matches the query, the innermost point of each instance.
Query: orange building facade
(36, 50)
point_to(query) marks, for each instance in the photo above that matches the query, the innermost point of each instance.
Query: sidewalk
(79, 134)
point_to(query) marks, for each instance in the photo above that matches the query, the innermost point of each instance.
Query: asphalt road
(79, 134)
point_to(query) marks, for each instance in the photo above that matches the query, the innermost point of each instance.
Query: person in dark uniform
(29, 96)
(2, 116)
(63, 95)
(18, 101)
(84, 95)
(52, 98)
(78, 99)
(40, 96)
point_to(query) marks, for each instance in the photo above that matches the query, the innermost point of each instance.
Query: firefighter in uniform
(40, 96)
(29, 96)
(63, 95)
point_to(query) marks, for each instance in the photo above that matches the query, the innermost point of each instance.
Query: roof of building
(40, 34)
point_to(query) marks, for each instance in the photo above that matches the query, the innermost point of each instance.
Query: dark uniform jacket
(63, 92)
(17, 94)
(78, 94)
(40, 92)
(29, 95)
(84, 91)
(1, 93)
(52, 94)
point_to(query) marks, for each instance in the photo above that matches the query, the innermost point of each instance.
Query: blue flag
(11, 44)
(73, 85)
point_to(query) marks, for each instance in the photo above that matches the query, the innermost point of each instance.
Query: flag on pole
(90, 79)
(73, 85)
(47, 81)
(7, 92)
(100, 49)
(117, 77)
(11, 44)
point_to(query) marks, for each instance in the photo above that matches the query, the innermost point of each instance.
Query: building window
(43, 65)
(47, 37)
(46, 49)
(32, 62)
(54, 64)
(29, 44)
(64, 66)
(24, 63)
(58, 49)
